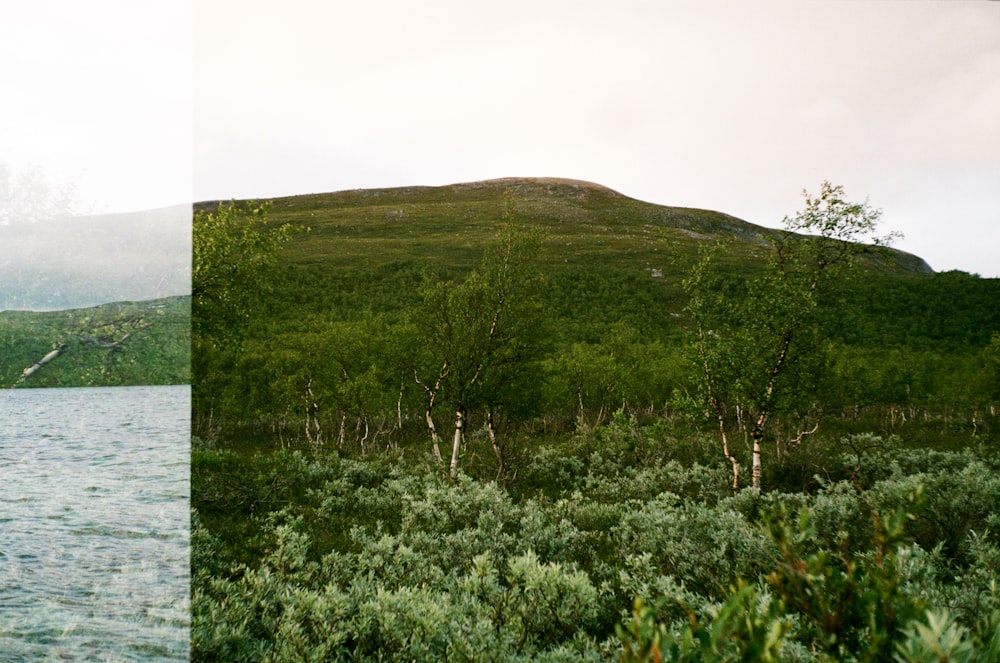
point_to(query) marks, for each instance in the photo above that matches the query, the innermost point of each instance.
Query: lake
(95, 524)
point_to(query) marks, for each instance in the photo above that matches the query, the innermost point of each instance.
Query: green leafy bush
(315, 556)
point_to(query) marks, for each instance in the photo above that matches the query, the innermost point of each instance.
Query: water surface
(94, 524)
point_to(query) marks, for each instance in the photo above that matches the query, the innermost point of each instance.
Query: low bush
(300, 556)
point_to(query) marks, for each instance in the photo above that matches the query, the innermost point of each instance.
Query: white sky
(730, 106)
(96, 98)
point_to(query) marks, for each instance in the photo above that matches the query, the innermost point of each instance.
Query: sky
(731, 106)
(96, 117)
(97, 100)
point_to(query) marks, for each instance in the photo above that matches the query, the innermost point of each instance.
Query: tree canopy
(233, 253)
(755, 337)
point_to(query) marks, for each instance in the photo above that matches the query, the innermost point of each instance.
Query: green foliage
(361, 559)
(941, 638)
(942, 312)
(478, 342)
(747, 627)
(118, 344)
(850, 601)
(620, 370)
(233, 251)
(607, 276)
(484, 331)
(991, 369)
(755, 352)
(852, 596)
(708, 547)
(962, 499)
(323, 529)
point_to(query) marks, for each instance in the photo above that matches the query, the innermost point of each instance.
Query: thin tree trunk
(432, 393)
(365, 438)
(497, 451)
(725, 452)
(725, 447)
(717, 408)
(756, 468)
(757, 435)
(459, 439)
(434, 437)
(399, 408)
(312, 415)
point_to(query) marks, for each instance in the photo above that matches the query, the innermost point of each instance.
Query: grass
(605, 256)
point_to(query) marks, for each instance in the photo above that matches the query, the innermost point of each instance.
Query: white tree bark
(457, 443)
(725, 452)
(717, 408)
(756, 468)
(432, 393)
(497, 451)
(434, 436)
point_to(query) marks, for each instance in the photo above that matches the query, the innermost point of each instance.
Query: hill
(605, 256)
(616, 326)
(117, 344)
(318, 486)
(572, 213)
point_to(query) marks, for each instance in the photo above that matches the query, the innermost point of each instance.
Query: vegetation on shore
(470, 423)
(117, 344)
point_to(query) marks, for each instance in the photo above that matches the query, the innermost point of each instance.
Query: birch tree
(479, 339)
(754, 336)
(334, 372)
(233, 249)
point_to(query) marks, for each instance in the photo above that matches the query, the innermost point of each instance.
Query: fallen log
(44, 360)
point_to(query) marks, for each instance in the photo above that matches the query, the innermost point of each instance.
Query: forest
(538, 420)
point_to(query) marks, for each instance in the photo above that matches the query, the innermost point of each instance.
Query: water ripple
(94, 538)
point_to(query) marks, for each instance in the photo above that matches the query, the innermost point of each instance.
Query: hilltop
(604, 255)
(116, 344)
(560, 206)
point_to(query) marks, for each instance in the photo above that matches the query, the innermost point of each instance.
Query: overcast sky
(96, 103)
(732, 106)
(97, 98)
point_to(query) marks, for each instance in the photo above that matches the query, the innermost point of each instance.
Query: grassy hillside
(118, 344)
(611, 265)
(606, 257)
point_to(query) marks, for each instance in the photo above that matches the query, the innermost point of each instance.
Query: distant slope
(606, 257)
(564, 208)
(119, 344)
